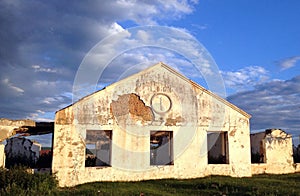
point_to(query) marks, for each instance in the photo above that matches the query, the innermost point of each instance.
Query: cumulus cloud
(133, 61)
(288, 62)
(246, 78)
(43, 43)
(274, 104)
(144, 45)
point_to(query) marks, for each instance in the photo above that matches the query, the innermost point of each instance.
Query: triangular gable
(172, 71)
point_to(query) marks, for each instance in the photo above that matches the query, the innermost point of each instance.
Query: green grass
(214, 185)
(16, 181)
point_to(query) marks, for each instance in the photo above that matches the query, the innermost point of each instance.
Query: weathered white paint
(278, 149)
(2, 156)
(8, 127)
(194, 112)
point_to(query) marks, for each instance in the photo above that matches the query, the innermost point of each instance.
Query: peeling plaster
(131, 104)
(125, 108)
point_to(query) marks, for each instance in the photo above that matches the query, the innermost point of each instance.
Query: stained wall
(278, 152)
(156, 99)
(2, 156)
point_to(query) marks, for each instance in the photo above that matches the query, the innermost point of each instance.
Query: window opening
(161, 148)
(98, 148)
(217, 145)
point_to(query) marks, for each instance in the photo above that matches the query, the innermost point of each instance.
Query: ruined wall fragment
(278, 153)
(9, 127)
(21, 150)
(2, 156)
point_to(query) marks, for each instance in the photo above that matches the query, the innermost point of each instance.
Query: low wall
(264, 168)
(259, 168)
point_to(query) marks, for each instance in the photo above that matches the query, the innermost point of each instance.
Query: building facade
(152, 125)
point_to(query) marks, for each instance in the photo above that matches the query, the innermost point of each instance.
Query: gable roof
(173, 71)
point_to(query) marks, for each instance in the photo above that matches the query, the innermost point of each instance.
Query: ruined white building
(152, 125)
(18, 147)
(274, 149)
(9, 128)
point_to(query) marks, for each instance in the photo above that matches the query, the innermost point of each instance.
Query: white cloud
(273, 104)
(48, 100)
(144, 45)
(115, 28)
(38, 68)
(246, 78)
(42, 48)
(288, 62)
(143, 35)
(12, 87)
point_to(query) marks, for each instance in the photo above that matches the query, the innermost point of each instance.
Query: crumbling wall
(239, 144)
(220, 117)
(21, 151)
(157, 99)
(129, 108)
(9, 127)
(278, 153)
(2, 156)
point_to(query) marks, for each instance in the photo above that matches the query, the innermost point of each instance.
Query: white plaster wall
(2, 156)
(194, 112)
(279, 154)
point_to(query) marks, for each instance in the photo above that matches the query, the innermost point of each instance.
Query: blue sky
(256, 45)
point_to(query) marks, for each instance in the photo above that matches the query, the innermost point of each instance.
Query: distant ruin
(272, 152)
(19, 150)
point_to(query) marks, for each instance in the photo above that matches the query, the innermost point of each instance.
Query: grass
(213, 185)
(16, 181)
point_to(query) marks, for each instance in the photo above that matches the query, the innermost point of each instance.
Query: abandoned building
(18, 149)
(273, 150)
(152, 125)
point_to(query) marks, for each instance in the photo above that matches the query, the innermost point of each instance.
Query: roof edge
(177, 73)
(172, 70)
